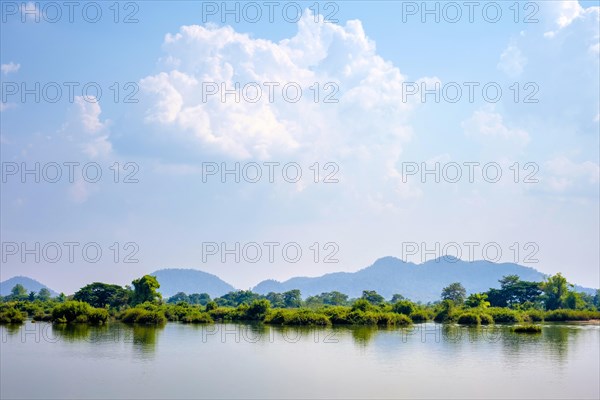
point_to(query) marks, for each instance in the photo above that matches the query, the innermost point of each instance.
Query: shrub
(527, 329)
(223, 313)
(10, 315)
(198, 318)
(403, 307)
(571, 315)
(142, 316)
(337, 315)
(362, 305)
(446, 312)
(469, 319)
(300, 316)
(535, 315)
(78, 312)
(97, 316)
(420, 316)
(486, 319)
(504, 315)
(257, 311)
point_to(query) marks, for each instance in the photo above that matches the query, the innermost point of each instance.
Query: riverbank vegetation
(515, 302)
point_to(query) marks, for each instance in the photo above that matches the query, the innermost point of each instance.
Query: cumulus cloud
(488, 126)
(566, 12)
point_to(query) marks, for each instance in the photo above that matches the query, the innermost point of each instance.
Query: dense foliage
(515, 301)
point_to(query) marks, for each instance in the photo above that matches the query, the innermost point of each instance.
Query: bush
(337, 314)
(223, 313)
(78, 312)
(571, 315)
(403, 307)
(420, 316)
(198, 318)
(257, 311)
(142, 316)
(504, 315)
(486, 319)
(97, 316)
(446, 312)
(527, 329)
(300, 316)
(469, 319)
(10, 315)
(535, 315)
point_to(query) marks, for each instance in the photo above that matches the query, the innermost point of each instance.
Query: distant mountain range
(388, 276)
(30, 284)
(190, 281)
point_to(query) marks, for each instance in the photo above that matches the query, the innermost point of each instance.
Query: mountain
(190, 281)
(28, 283)
(422, 282)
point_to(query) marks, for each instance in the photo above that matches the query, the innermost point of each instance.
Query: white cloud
(566, 12)
(369, 89)
(563, 175)
(488, 127)
(9, 68)
(512, 61)
(85, 128)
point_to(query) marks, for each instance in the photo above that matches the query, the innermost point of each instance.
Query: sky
(266, 140)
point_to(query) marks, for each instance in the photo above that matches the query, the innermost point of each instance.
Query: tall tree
(372, 297)
(100, 295)
(455, 292)
(555, 290)
(18, 292)
(44, 294)
(144, 289)
(292, 298)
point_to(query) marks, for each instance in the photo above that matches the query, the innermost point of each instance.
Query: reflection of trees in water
(11, 329)
(145, 338)
(552, 343)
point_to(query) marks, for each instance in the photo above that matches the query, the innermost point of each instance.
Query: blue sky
(372, 137)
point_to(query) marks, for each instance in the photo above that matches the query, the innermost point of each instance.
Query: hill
(418, 282)
(28, 283)
(190, 281)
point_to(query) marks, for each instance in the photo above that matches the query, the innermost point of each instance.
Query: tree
(176, 298)
(372, 297)
(234, 299)
(199, 298)
(455, 292)
(555, 290)
(276, 299)
(396, 298)
(100, 295)
(31, 296)
(44, 294)
(61, 298)
(477, 300)
(574, 301)
(405, 307)
(258, 309)
(292, 298)
(18, 292)
(144, 289)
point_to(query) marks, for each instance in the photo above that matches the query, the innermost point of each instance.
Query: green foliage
(421, 316)
(194, 298)
(257, 311)
(446, 311)
(141, 315)
(80, 312)
(18, 293)
(396, 298)
(455, 292)
(301, 316)
(372, 297)
(328, 298)
(198, 318)
(44, 294)
(534, 315)
(574, 301)
(486, 319)
(362, 305)
(571, 315)
(276, 299)
(292, 298)
(234, 299)
(527, 329)
(405, 307)
(555, 291)
(99, 294)
(469, 319)
(211, 305)
(504, 315)
(477, 300)
(10, 315)
(145, 290)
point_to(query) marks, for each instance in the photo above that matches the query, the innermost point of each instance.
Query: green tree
(292, 298)
(31, 296)
(199, 298)
(477, 300)
(455, 292)
(396, 298)
(61, 298)
(372, 297)
(405, 307)
(100, 295)
(145, 289)
(555, 290)
(176, 298)
(44, 294)
(18, 292)
(258, 309)
(574, 301)
(276, 299)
